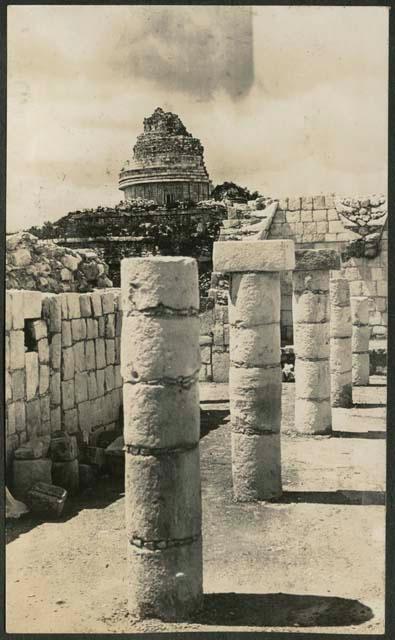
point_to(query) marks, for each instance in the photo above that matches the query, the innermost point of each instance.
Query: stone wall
(62, 364)
(42, 265)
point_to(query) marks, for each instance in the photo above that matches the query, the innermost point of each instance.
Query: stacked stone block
(360, 340)
(27, 366)
(340, 343)
(91, 383)
(255, 362)
(160, 368)
(311, 340)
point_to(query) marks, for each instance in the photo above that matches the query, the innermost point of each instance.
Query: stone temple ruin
(88, 364)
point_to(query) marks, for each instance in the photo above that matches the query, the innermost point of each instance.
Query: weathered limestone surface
(310, 308)
(255, 369)
(360, 340)
(160, 358)
(340, 343)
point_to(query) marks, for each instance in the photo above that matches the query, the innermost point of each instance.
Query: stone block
(333, 216)
(70, 421)
(312, 416)
(43, 351)
(255, 399)
(101, 326)
(335, 226)
(292, 217)
(73, 305)
(269, 255)
(33, 449)
(307, 203)
(110, 351)
(118, 380)
(68, 366)
(312, 379)
(85, 305)
(118, 323)
(32, 374)
(316, 259)
(33, 417)
(163, 496)
(360, 369)
(109, 378)
(55, 419)
(294, 204)
(55, 388)
(319, 202)
(100, 382)
(254, 299)
(17, 384)
(32, 304)
(382, 288)
(63, 447)
(360, 339)
(52, 312)
(109, 326)
(19, 415)
(311, 340)
(78, 329)
(100, 353)
(86, 416)
(39, 329)
(97, 310)
(55, 351)
(160, 416)
(92, 385)
(359, 310)
(68, 398)
(306, 216)
(44, 379)
(17, 350)
(340, 322)
(91, 328)
(170, 281)
(256, 466)
(10, 418)
(205, 355)
(309, 307)
(108, 299)
(117, 350)
(79, 356)
(153, 591)
(81, 387)
(67, 340)
(16, 310)
(26, 473)
(255, 347)
(45, 408)
(66, 475)
(46, 499)
(381, 304)
(220, 366)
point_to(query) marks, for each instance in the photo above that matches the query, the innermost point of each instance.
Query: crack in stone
(183, 381)
(136, 450)
(158, 545)
(243, 365)
(162, 310)
(314, 399)
(253, 432)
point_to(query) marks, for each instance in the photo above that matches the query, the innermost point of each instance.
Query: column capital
(235, 256)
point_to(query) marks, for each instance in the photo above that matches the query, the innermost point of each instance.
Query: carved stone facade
(167, 164)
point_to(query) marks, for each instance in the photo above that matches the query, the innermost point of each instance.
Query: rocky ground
(313, 561)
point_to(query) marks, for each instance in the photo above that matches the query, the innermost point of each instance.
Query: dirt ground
(313, 561)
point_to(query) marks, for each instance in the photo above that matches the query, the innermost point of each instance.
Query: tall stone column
(360, 340)
(160, 362)
(310, 307)
(340, 343)
(255, 368)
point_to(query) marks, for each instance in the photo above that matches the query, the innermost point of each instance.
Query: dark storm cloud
(191, 50)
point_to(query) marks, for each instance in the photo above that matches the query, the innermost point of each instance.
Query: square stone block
(261, 255)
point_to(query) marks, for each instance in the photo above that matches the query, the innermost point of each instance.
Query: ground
(313, 561)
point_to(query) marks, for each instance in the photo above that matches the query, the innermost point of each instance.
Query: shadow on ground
(351, 497)
(366, 435)
(211, 419)
(105, 492)
(281, 610)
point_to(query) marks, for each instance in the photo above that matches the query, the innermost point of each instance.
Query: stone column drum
(360, 340)
(340, 343)
(160, 362)
(310, 308)
(255, 368)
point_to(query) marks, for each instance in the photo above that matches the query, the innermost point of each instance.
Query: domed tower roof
(164, 153)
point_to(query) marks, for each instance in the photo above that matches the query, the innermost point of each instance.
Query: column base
(313, 417)
(256, 467)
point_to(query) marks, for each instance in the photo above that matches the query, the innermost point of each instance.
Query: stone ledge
(254, 256)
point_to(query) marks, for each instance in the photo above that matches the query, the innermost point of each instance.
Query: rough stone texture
(255, 371)
(360, 340)
(340, 353)
(66, 474)
(46, 499)
(311, 340)
(42, 265)
(160, 345)
(27, 472)
(255, 256)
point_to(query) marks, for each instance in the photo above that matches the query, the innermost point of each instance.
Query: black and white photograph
(196, 319)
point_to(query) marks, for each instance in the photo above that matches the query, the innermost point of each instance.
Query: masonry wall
(62, 364)
(315, 223)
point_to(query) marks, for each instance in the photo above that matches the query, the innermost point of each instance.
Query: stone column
(255, 369)
(310, 306)
(360, 340)
(160, 361)
(340, 343)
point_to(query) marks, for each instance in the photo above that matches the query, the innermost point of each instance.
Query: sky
(286, 100)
